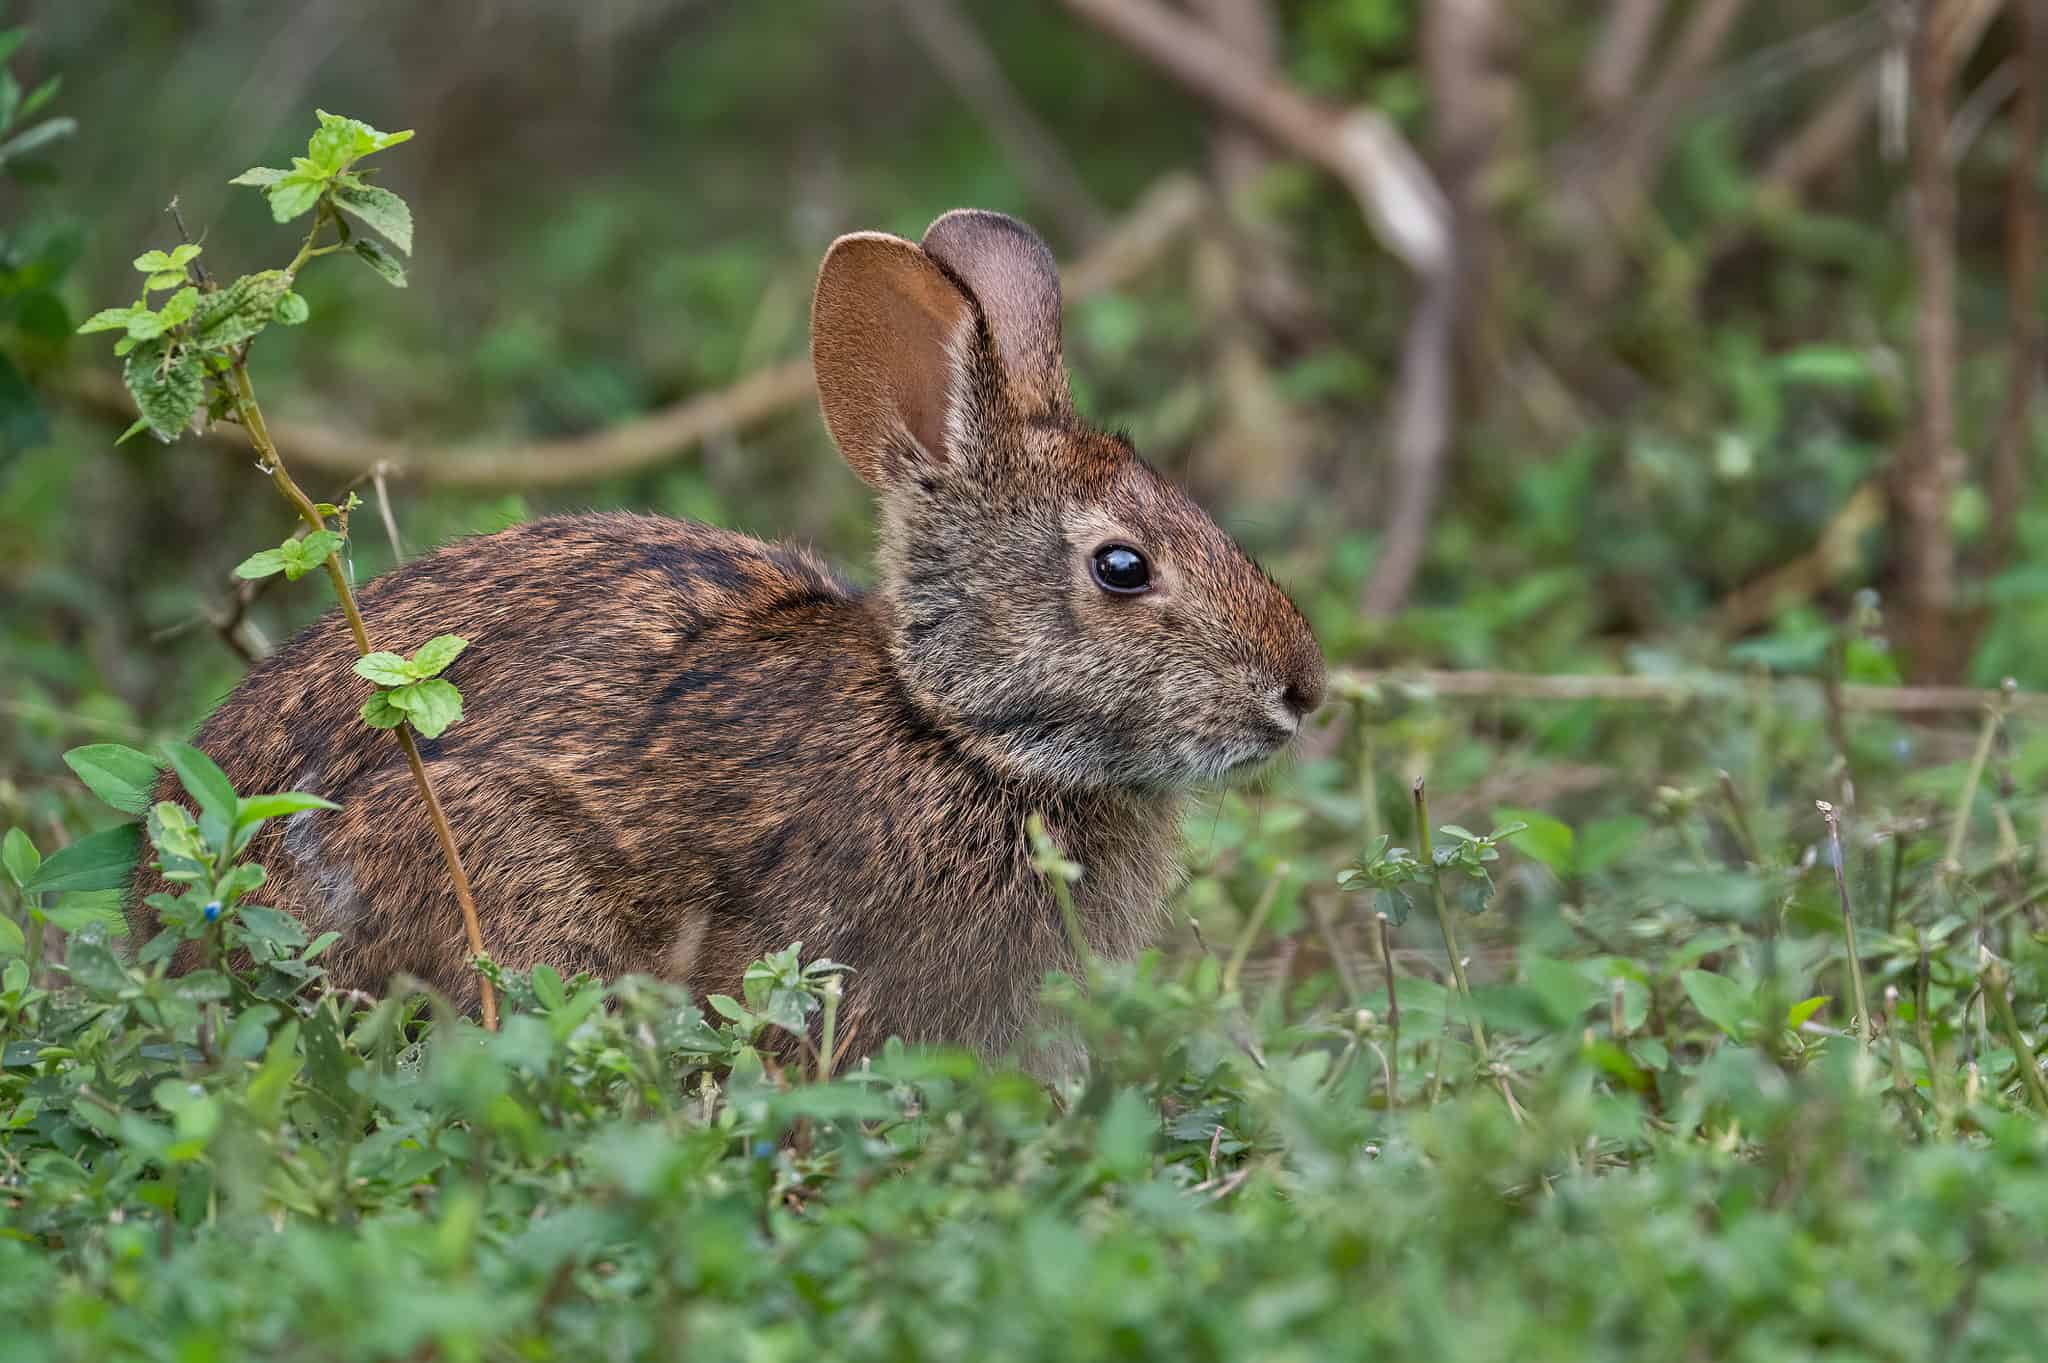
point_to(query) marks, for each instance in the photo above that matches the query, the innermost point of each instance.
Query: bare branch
(1625, 41)
(2023, 283)
(1924, 472)
(1360, 147)
(958, 51)
(1701, 688)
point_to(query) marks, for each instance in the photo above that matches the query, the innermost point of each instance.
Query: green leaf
(1797, 1015)
(262, 563)
(97, 970)
(431, 705)
(135, 428)
(375, 255)
(144, 325)
(547, 987)
(40, 96)
(260, 176)
(379, 713)
(257, 808)
(239, 311)
(12, 943)
(180, 306)
(385, 669)
(150, 262)
(291, 310)
(1720, 1000)
(174, 834)
(342, 140)
(1547, 840)
(293, 196)
(169, 279)
(384, 211)
(40, 135)
(98, 861)
(167, 391)
(19, 855)
(108, 319)
(435, 654)
(119, 775)
(204, 781)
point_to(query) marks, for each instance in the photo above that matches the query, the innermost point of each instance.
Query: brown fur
(684, 748)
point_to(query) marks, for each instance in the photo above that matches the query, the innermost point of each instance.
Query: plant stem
(1260, 911)
(1393, 1009)
(1923, 1026)
(251, 414)
(1827, 811)
(2022, 1053)
(1952, 860)
(1443, 917)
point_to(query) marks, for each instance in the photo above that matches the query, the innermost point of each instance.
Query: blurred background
(1515, 335)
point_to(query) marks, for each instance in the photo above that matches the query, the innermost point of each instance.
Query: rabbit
(684, 748)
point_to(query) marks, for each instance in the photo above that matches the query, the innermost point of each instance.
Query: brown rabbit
(685, 748)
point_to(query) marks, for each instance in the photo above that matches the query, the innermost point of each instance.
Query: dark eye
(1121, 569)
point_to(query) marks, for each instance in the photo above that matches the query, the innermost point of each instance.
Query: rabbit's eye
(1121, 569)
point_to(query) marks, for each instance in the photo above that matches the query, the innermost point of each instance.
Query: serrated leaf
(379, 713)
(119, 775)
(381, 260)
(106, 319)
(293, 196)
(19, 856)
(180, 306)
(239, 311)
(260, 176)
(262, 563)
(431, 705)
(98, 861)
(385, 669)
(291, 310)
(166, 394)
(307, 555)
(436, 654)
(382, 210)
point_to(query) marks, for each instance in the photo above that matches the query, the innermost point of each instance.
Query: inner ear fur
(888, 330)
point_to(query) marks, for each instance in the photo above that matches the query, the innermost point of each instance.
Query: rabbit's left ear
(1015, 284)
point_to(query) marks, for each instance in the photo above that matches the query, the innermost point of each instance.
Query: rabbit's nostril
(1302, 695)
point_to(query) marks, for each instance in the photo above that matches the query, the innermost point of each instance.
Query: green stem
(1827, 812)
(247, 409)
(2030, 1067)
(1959, 826)
(1443, 918)
(1260, 911)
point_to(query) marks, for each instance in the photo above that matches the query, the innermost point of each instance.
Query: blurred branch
(1898, 700)
(1366, 153)
(1470, 104)
(1832, 557)
(1923, 474)
(2023, 282)
(960, 54)
(1625, 41)
(1168, 211)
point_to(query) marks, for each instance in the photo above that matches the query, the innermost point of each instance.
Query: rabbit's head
(1051, 598)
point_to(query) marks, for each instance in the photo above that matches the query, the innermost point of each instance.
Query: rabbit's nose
(1304, 691)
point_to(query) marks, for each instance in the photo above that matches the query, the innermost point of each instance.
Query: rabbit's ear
(889, 331)
(1014, 280)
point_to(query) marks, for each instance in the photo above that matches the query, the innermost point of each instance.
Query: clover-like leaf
(385, 669)
(436, 654)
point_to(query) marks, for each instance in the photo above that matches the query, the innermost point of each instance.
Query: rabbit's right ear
(889, 333)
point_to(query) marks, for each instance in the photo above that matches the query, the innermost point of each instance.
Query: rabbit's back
(681, 748)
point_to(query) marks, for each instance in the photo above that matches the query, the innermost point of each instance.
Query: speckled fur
(684, 748)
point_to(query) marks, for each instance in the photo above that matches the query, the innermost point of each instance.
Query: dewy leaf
(431, 705)
(385, 669)
(99, 861)
(381, 209)
(262, 563)
(19, 855)
(381, 260)
(260, 176)
(433, 656)
(239, 311)
(119, 775)
(166, 393)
